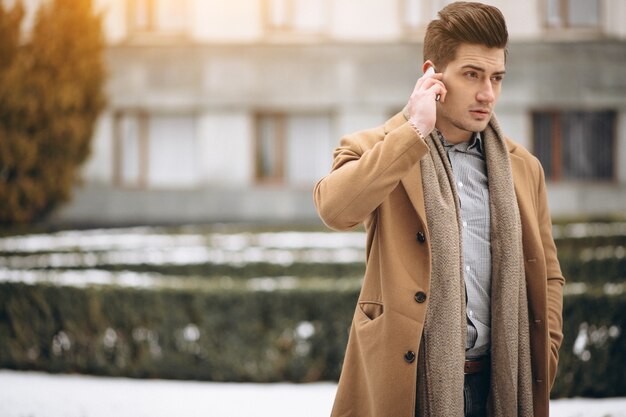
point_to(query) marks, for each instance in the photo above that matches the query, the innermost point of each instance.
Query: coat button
(409, 357)
(420, 296)
(421, 238)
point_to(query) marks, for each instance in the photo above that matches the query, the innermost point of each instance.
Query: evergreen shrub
(51, 84)
(594, 260)
(219, 335)
(594, 346)
(238, 334)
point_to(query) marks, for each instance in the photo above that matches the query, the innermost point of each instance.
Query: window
(172, 151)
(157, 16)
(575, 145)
(155, 150)
(303, 16)
(130, 143)
(572, 13)
(292, 149)
(269, 152)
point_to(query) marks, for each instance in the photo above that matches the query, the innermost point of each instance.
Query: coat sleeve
(364, 174)
(555, 278)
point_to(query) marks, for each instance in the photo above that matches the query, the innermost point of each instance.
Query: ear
(427, 64)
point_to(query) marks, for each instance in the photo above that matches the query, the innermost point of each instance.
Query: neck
(456, 136)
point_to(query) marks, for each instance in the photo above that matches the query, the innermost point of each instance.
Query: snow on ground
(35, 394)
(160, 246)
(134, 247)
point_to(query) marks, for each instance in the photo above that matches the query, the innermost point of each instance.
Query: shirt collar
(475, 143)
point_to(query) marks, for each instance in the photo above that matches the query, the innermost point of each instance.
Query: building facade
(230, 111)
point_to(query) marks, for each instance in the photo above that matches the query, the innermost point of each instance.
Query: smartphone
(431, 71)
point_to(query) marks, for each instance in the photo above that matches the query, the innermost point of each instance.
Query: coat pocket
(371, 309)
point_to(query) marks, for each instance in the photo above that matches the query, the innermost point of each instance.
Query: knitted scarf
(440, 369)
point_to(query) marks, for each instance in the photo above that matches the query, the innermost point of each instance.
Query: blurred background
(229, 111)
(157, 160)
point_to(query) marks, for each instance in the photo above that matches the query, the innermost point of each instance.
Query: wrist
(418, 128)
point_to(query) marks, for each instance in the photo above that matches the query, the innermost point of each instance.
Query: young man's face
(473, 81)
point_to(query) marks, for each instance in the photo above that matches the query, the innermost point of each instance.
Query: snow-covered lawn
(34, 394)
(196, 245)
(84, 258)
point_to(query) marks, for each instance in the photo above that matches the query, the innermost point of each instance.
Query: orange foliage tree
(51, 93)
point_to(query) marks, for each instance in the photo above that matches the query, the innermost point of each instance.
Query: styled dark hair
(463, 22)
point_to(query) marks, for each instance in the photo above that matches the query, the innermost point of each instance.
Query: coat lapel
(412, 182)
(520, 182)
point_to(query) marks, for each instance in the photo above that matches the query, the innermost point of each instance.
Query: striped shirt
(470, 174)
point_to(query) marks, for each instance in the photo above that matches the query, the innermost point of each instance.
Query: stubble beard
(467, 125)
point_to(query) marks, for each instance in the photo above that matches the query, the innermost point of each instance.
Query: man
(460, 308)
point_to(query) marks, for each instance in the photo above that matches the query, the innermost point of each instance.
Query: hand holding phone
(422, 105)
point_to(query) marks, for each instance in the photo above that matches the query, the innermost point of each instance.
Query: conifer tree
(51, 92)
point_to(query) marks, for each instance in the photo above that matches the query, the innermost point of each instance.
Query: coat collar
(412, 181)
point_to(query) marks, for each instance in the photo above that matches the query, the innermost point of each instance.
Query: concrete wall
(354, 62)
(358, 85)
(246, 21)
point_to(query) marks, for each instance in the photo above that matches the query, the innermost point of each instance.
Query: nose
(486, 94)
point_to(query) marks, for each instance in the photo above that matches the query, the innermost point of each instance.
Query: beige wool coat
(376, 180)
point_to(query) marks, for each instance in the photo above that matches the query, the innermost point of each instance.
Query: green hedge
(593, 354)
(594, 259)
(223, 335)
(235, 334)
(249, 270)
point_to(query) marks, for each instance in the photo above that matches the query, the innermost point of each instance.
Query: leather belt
(474, 366)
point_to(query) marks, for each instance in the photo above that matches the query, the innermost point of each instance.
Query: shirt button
(471, 313)
(464, 224)
(460, 184)
(467, 268)
(421, 238)
(420, 296)
(409, 357)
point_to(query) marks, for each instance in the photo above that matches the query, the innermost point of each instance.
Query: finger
(437, 92)
(419, 83)
(443, 93)
(423, 78)
(431, 82)
(425, 83)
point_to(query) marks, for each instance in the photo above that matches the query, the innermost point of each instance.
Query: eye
(471, 74)
(497, 78)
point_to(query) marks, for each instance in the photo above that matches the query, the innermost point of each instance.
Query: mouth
(480, 113)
